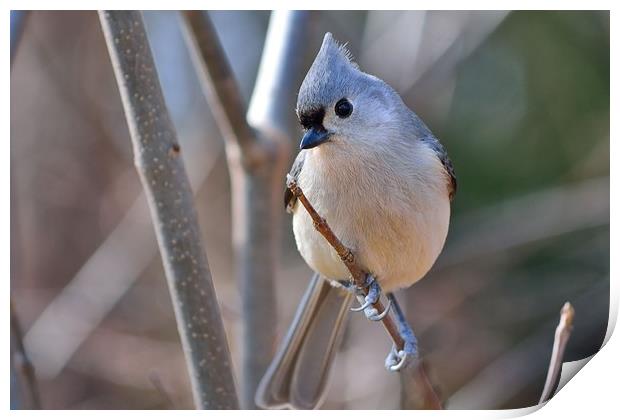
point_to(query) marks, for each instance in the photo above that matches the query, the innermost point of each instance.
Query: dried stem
(257, 153)
(416, 389)
(415, 383)
(562, 334)
(158, 160)
(347, 257)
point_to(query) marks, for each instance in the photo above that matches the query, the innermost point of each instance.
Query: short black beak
(314, 137)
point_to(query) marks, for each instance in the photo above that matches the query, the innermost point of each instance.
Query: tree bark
(158, 161)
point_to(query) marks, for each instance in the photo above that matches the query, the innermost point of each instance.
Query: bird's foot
(396, 359)
(367, 301)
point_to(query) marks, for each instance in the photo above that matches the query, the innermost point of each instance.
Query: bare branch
(271, 109)
(562, 334)
(256, 155)
(347, 257)
(416, 390)
(220, 87)
(158, 161)
(414, 379)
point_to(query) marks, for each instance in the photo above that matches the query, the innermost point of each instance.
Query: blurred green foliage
(530, 104)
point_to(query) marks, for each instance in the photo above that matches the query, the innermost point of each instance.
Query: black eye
(343, 108)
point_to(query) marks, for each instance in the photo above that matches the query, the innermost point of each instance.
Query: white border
(594, 391)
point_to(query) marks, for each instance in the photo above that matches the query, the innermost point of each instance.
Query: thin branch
(158, 160)
(487, 388)
(562, 334)
(414, 379)
(416, 389)
(220, 87)
(25, 375)
(347, 257)
(257, 153)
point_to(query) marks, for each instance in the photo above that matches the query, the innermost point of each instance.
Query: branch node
(348, 257)
(175, 150)
(291, 184)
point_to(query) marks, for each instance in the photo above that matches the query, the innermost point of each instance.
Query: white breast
(390, 207)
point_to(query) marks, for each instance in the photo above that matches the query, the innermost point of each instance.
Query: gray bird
(384, 183)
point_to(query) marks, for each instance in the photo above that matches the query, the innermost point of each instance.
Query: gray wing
(289, 198)
(426, 136)
(442, 154)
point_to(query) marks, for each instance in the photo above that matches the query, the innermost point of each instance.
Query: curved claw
(366, 304)
(372, 296)
(382, 315)
(400, 364)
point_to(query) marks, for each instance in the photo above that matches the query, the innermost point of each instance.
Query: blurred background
(520, 100)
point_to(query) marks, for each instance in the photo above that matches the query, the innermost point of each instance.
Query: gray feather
(442, 154)
(331, 73)
(299, 373)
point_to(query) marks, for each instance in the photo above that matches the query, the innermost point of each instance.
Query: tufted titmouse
(383, 182)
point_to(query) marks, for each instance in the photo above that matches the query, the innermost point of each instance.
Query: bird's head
(338, 104)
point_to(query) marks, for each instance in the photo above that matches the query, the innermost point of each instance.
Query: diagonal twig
(562, 334)
(415, 382)
(220, 87)
(347, 257)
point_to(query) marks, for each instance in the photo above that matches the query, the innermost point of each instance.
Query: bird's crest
(332, 50)
(331, 70)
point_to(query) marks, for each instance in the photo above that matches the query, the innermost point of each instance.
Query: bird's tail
(297, 377)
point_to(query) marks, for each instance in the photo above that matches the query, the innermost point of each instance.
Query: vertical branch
(260, 199)
(562, 334)
(158, 160)
(257, 156)
(272, 106)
